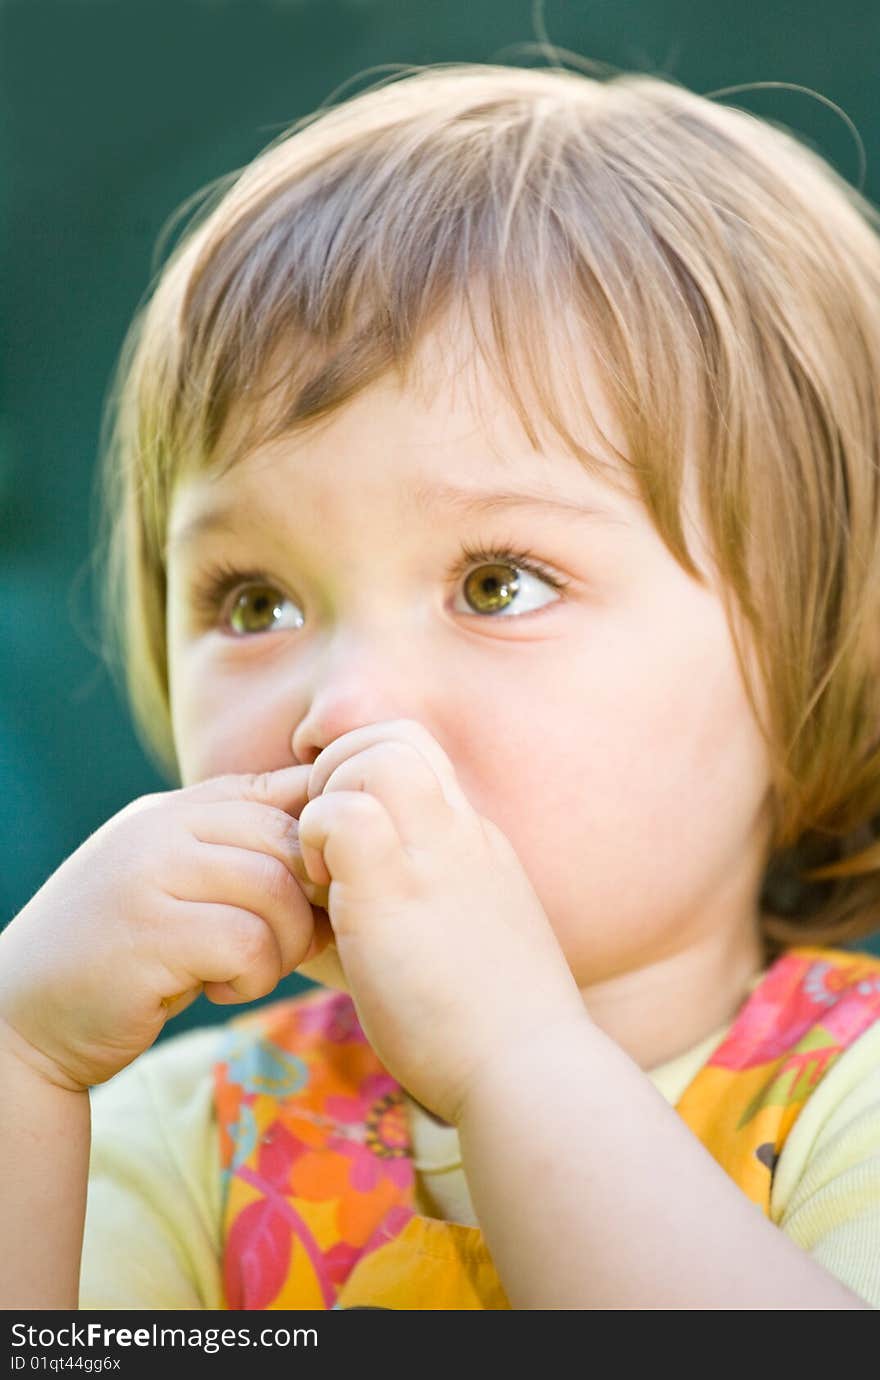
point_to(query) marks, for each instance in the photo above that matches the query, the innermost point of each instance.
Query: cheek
(638, 769)
(214, 732)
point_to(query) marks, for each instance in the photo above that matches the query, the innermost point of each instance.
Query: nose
(358, 682)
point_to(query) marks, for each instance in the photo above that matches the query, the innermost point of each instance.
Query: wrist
(19, 1058)
(517, 1064)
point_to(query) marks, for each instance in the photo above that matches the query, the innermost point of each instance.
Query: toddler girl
(492, 490)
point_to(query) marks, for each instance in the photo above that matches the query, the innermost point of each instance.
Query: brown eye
(506, 584)
(491, 587)
(256, 606)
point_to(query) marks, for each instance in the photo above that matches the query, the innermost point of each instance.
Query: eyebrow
(425, 499)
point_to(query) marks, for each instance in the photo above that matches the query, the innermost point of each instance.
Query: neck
(663, 1009)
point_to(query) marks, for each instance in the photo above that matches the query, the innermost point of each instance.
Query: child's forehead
(421, 455)
(447, 409)
(440, 449)
(449, 415)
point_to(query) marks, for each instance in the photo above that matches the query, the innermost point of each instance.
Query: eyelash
(504, 554)
(215, 583)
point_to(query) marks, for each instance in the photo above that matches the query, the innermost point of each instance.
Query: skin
(538, 836)
(603, 732)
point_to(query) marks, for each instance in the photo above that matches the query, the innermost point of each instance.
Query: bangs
(716, 279)
(508, 227)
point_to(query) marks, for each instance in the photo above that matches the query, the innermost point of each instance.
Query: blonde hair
(727, 280)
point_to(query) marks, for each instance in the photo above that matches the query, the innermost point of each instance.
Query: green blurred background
(115, 112)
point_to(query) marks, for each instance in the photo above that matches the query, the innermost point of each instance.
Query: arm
(44, 1158)
(582, 1207)
(128, 931)
(617, 1204)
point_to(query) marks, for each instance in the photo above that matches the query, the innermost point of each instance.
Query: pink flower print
(794, 996)
(340, 1260)
(278, 1151)
(373, 1134)
(333, 1017)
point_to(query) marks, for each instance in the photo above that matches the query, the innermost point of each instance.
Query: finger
(397, 774)
(217, 943)
(286, 788)
(246, 824)
(349, 838)
(402, 730)
(225, 993)
(254, 882)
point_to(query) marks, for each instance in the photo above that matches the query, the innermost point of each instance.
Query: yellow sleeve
(152, 1230)
(826, 1188)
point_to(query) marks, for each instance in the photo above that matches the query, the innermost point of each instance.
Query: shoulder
(838, 1126)
(834, 1001)
(826, 1184)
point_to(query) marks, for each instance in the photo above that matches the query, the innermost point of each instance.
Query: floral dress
(316, 1161)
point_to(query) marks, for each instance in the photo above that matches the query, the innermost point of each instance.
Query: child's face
(603, 727)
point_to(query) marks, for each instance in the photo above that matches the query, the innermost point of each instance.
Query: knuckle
(322, 814)
(211, 787)
(386, 761)
(274, 880)
(252, 785)
(348, 808)
(250, 939)
(282, 828)
(401, 749)
(364, 809)
(398, 760)
(257, 783)
(398, 771)
(412, 727)
(421, 740)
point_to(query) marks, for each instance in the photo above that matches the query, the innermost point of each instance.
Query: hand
(180, 891)
(446, 948)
